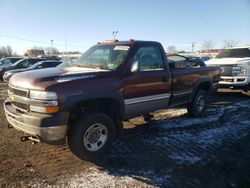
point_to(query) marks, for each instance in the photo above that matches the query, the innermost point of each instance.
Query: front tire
(91, 136)
(198, 105)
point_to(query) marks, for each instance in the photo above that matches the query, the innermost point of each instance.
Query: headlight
(239, 70)
(45, 101)
(44, 109)
(43, 95)
(8, 74)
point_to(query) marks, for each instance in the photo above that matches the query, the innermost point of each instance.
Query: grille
(226, 70)
(20, 106)
(19, 92)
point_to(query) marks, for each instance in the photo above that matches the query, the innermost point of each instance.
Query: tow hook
(9, 126)
(25, 138)
(32, 138)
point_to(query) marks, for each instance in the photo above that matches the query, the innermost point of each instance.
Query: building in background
(34, 52)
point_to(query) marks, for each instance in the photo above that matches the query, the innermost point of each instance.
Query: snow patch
(188, 121)
(184, 158)
(94, 177)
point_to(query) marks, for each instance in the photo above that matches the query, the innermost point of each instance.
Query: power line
(38, 41)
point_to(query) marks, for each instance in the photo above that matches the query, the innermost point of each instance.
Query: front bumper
(236, 81)
(48, 128)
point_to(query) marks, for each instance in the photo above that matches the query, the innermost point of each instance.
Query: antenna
(114, 33)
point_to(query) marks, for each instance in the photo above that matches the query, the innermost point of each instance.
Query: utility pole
(51, 43)
(193, 43)
(65, 40)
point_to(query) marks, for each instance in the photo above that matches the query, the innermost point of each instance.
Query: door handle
(164, 78)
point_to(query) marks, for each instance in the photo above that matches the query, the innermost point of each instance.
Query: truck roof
(236, 47)
(126, 42)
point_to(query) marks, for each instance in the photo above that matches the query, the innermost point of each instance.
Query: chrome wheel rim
(95, 137)
(200, 105)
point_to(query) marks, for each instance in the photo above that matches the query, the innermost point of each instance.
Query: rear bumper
(45, 127)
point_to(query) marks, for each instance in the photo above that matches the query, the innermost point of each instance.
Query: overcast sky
(28, 23)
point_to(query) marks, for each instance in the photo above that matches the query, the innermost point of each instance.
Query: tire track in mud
(156, 154)
(191, 139)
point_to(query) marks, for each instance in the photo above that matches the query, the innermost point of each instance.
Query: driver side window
(149, 59)
(23, 64)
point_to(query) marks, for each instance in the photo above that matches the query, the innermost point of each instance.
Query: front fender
(78, 97)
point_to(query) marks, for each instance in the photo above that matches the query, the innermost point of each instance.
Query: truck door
(148, 86)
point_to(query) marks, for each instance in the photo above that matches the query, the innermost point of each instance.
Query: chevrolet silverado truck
(235, 66)
(85, 103)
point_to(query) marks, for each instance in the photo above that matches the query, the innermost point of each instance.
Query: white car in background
(235, 67)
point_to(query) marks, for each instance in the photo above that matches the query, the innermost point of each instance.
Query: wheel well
(205, 85)
(107, 106)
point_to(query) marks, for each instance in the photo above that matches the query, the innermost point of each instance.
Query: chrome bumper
(49, 134)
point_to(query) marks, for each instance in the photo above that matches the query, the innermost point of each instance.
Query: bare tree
(171, 49)
(9, 50)
(230, 43)
(51, 50)
(37, 48)
(208, 45)
(5, 51)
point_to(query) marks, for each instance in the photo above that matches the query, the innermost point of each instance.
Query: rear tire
(91, 136)
(198, 105)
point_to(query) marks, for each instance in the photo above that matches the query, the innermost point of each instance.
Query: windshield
(105, 57)
(17, 62)
(234, 53)
(35, 65)
(5, 61)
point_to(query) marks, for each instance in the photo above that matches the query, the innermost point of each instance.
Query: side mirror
(135, 66)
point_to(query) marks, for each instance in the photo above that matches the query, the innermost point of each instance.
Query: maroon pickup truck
(87, 101)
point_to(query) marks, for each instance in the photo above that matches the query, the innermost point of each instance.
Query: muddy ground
(173, 150)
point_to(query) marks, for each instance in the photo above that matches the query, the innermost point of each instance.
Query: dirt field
(173, 150)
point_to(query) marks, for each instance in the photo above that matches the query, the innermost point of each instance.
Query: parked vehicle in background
(52, 57)
(87, 102)
(180, 61)
(7, 62)
(21, 64)
(202, 57)
(235, 66)
(205, 58)
(39, 65)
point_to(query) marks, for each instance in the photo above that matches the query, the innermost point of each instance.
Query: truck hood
(227, 61)
(41, 79)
